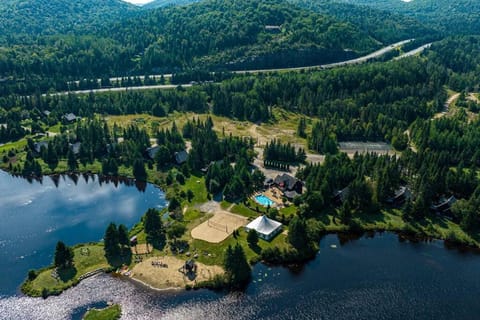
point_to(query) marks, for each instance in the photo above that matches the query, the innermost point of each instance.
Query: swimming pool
(264, 200)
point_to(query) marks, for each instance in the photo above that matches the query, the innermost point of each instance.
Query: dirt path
(446, 106)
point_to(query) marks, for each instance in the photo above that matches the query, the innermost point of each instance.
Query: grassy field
(86, 258)
(213, 253)
(282, 127)
(112, 312)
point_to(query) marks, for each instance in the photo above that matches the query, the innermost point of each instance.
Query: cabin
(46, 113)
(37, 146)
(290, 195)
(444, 206)
(152, 151)
(268, 183)
(340, 196)
(69, 118)
(272, 28)
(133, 241)
(400, 196)
(75, 147)
(181, 157)
(286, 182)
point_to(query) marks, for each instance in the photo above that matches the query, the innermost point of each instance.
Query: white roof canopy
(264, 225)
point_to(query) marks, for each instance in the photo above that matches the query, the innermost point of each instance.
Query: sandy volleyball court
(164, 273)
(219, 227)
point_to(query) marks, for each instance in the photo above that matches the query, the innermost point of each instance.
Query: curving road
(360, 60)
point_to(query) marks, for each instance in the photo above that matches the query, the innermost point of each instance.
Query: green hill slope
(451, 17)
(240, 34)
(48, 17)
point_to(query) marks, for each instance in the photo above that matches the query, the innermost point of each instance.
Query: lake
(379, 277)
(35, 215)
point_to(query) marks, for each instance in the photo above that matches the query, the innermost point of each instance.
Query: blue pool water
(264, 200)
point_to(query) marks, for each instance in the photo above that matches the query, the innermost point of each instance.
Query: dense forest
(451, 17)
(94, 40)
(21, 21)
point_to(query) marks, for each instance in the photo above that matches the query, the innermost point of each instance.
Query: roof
(444, 204)
(38, 146)
(291, 194)
(264, 225)
(286, 181)
(342, 194)
(152, 151)
(75, 147)
(70, 117)
(181, 156)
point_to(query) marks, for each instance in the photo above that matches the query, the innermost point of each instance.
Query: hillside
(451, 17)
(212, 35)
(48, 17)
(240, 34)
(165, 3)
(382, 25)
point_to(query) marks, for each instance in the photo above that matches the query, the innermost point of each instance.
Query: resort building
(265, 227)
(70, 117)
(400, 196)
(181, 156)
(286, 182)
(444, 206)
(39, 145)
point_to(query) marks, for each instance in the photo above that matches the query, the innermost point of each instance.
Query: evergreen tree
(252, 238)
(154, 228)
(237, 269)
(111, 241)
(297, 233)
(123, 238)
(71, 161)
(302, 126)
(139, 171)
(63, 256)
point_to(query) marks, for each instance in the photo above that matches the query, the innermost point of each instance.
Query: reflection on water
(35, 214)
(370, 278)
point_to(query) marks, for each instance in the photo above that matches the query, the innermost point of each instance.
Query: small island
(112, 312)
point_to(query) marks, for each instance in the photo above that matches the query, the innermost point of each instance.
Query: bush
(32, 274)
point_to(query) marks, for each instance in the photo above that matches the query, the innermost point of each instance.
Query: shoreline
(409, 232)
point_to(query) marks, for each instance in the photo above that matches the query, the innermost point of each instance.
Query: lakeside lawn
(87, 258)
(112, 312)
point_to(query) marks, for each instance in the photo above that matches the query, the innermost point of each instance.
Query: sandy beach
(164, 273)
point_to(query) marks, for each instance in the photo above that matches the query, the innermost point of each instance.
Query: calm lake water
(369, 278)
(35, 215)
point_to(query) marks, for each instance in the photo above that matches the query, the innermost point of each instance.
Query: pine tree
(252, 238)
(154, 229)
(63, 257)
(237, 269)
(123, 238)
(111, 241)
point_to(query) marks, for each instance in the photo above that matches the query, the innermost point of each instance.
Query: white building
(265, 227)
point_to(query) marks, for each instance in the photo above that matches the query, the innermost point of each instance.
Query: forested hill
(164, 3)
(47, 17)
(93, 39)
(451, 16)
(240, 34)
(385, 26)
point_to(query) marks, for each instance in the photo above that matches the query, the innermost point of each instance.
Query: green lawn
(113, 312)
(217, 250)
(86, 258)
(197, 185)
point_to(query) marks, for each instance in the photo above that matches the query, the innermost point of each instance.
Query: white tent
(265, 227)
